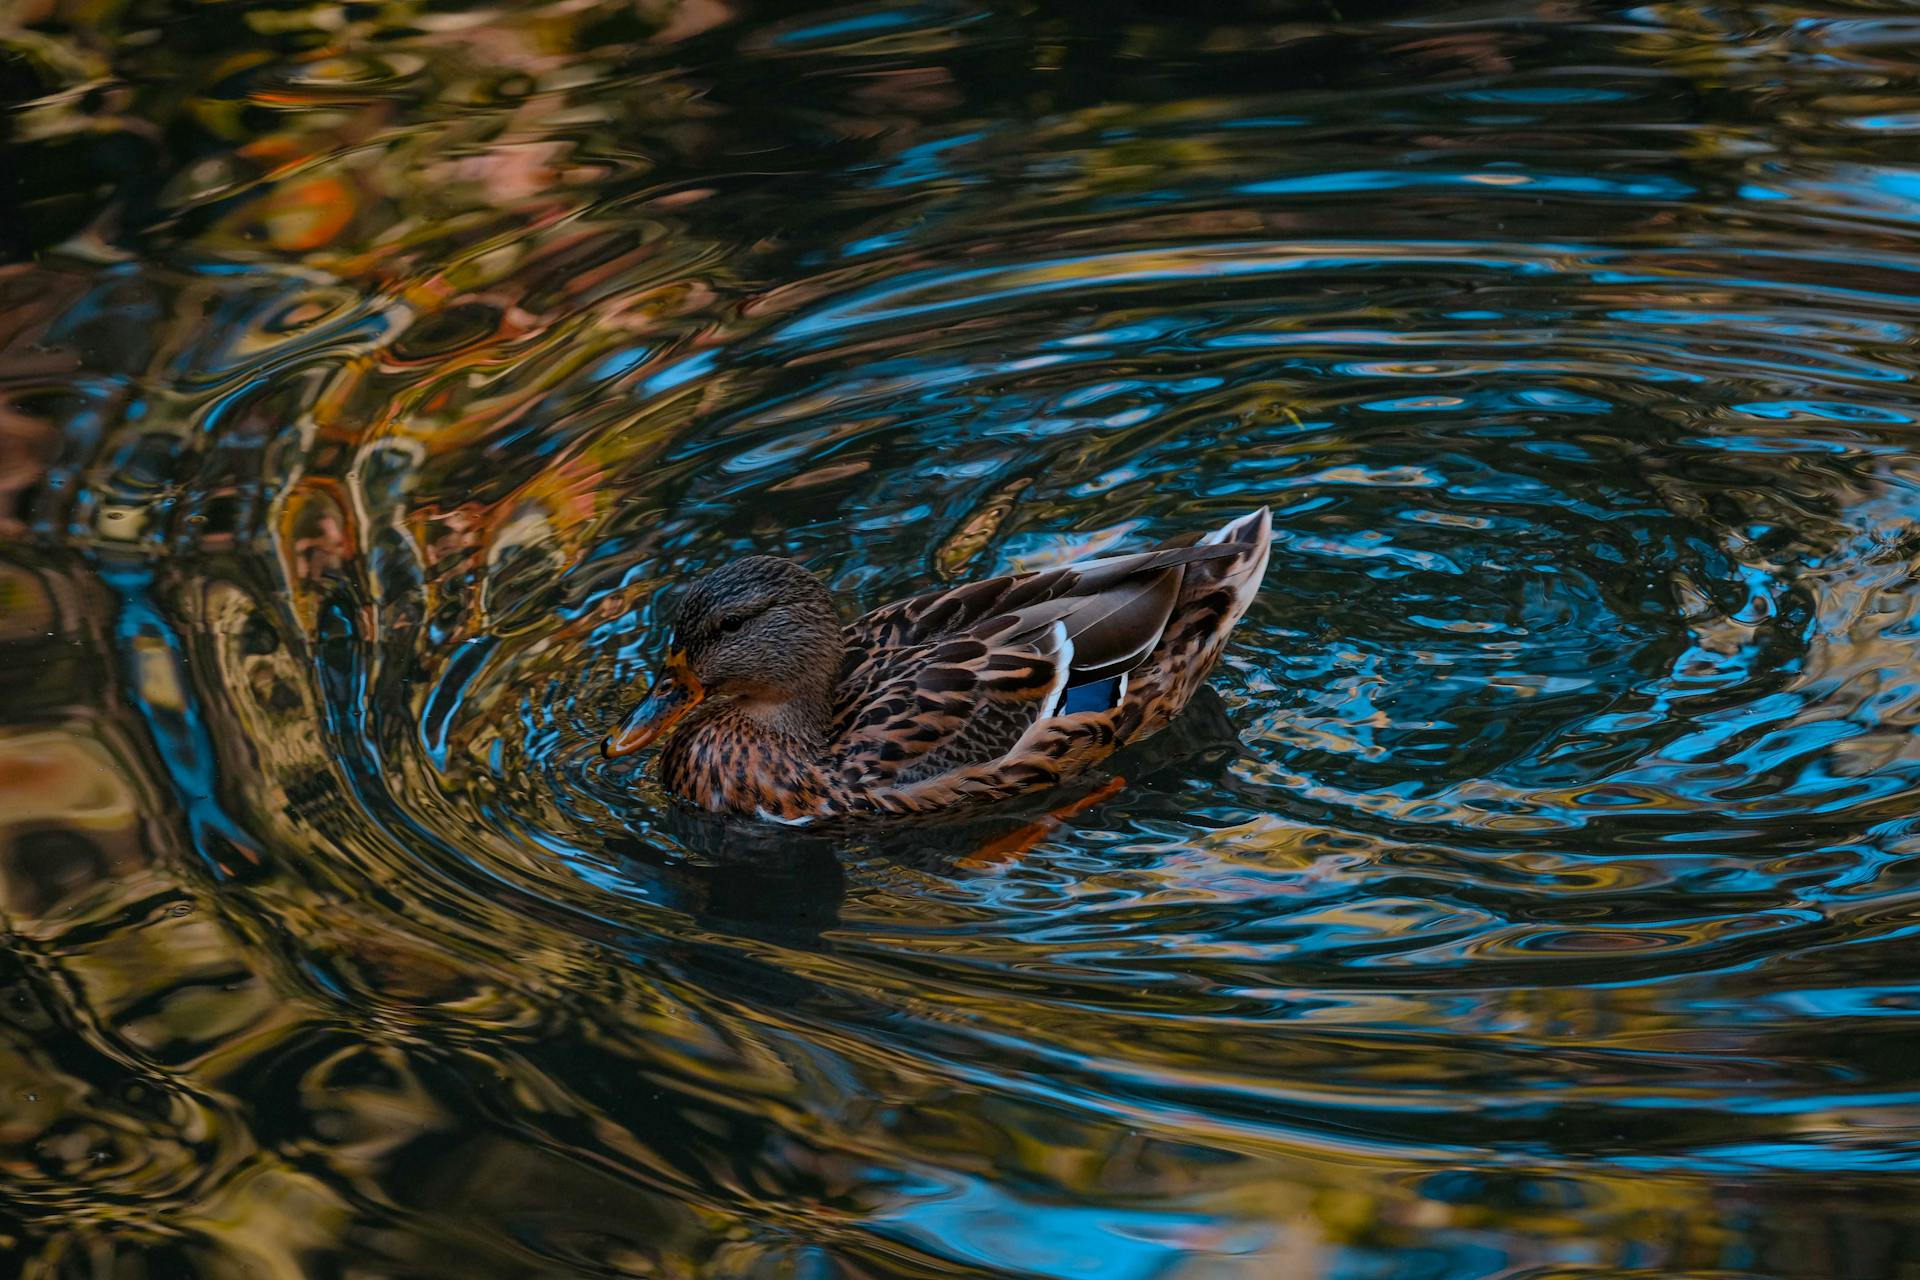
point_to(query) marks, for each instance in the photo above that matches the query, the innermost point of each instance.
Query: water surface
(1536, 899)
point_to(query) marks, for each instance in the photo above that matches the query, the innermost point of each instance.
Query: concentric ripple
(1530, 899)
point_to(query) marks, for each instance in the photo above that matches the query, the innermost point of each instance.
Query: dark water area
(1537, 898)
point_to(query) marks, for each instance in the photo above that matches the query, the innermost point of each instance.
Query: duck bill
(675, 692)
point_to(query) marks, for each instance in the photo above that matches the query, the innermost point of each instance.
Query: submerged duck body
(771, 707)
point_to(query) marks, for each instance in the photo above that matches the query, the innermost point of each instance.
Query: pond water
(1536, 898)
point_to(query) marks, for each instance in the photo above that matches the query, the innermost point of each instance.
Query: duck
(770, 706)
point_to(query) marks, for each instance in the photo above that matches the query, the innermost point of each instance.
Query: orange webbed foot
(1023, 839)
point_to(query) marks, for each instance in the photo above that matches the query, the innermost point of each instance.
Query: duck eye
(732, 624)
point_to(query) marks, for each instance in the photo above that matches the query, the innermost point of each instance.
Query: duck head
(761, 632)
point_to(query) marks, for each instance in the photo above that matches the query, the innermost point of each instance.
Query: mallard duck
(976, 692)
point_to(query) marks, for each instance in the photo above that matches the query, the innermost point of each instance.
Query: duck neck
(801, 715)
(800, 706)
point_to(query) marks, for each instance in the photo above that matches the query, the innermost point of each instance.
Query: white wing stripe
(1050, 705)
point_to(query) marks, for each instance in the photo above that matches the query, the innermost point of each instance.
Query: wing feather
(956, 610)
(970, 675)
(971, 708)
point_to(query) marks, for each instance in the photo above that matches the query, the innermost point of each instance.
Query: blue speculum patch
(1101, 695)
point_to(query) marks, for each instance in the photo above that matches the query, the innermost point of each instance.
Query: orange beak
(675, 692)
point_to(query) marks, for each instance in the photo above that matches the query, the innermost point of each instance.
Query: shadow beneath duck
(743, 877)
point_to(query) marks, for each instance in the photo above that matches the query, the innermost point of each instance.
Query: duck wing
(954, 610)
(960, 700)
(965, 676)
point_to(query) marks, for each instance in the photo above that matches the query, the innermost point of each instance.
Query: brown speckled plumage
(944, 699)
